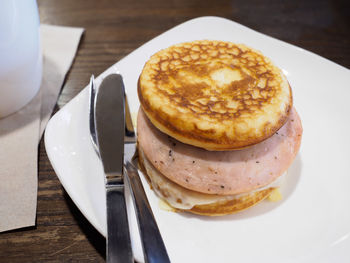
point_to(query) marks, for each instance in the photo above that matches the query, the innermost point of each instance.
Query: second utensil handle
(153, 246)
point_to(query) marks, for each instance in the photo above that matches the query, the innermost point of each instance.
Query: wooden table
(114, 29)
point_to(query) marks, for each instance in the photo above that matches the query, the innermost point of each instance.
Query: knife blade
(110, 129)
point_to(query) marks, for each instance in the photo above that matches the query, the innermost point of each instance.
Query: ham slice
(225, 172)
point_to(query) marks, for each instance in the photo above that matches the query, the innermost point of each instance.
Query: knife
(110, 129)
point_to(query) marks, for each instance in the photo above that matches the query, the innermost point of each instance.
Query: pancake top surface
(215, 95)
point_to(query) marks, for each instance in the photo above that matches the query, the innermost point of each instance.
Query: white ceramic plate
(311, 224)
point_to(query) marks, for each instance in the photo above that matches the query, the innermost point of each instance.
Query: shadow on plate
(288, 186)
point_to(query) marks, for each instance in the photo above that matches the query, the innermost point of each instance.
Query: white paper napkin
(21, 132)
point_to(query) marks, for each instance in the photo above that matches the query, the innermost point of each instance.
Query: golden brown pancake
(232, 206)
(215, 95)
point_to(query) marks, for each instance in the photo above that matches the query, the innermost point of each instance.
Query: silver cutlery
(153, 246)
(92, 95)
(110, 127)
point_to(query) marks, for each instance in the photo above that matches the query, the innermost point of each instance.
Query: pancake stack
(216, 127)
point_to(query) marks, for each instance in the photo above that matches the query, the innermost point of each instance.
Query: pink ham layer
(222, 173)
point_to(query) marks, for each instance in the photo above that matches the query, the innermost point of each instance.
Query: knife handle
(153, 246)
(118, 237)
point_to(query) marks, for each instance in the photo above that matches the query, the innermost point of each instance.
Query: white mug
(20, 54)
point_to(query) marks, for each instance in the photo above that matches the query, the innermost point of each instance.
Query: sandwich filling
(223, 173)
(184, 199)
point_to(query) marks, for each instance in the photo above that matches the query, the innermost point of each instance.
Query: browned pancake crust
(215, 95)
(233, 206)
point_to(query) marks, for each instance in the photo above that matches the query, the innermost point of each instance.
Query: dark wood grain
(114, 29)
